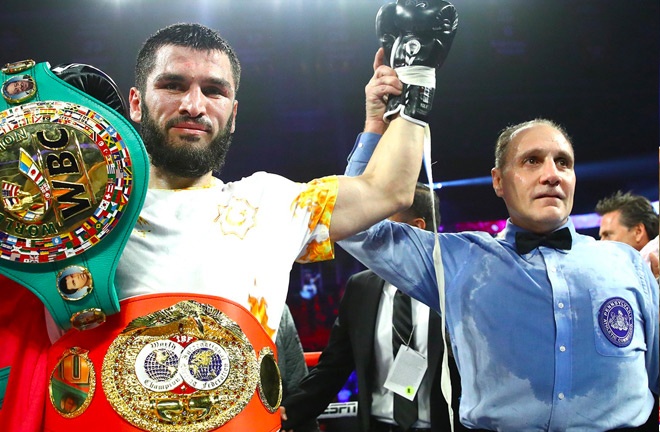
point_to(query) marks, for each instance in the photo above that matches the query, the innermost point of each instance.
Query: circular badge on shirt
(615, 318)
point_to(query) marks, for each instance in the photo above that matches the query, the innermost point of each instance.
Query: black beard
(183, 161)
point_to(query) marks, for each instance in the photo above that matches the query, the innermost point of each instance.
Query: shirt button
(561, 305)
(561, 396)
(562, 348)
(552, 269)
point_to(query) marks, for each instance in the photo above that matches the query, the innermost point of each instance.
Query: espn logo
(340, 409)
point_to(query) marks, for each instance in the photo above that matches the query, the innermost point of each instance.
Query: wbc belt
(167, 363)
(73, 175)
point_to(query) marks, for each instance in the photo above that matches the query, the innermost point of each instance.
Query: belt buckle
(187, 365)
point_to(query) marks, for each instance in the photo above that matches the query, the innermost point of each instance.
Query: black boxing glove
(386, 29)
(94, 82)
(426, 31)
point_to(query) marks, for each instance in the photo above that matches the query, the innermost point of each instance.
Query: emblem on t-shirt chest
(616, 321)
(237, 217)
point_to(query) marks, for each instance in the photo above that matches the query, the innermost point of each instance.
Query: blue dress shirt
(552, 340)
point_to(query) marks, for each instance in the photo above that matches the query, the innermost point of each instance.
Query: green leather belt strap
(4, 379)
(73, 175)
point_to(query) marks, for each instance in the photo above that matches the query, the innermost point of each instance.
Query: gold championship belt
(186, 365)
(73, 176)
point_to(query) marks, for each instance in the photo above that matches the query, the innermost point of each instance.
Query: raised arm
(416, 41)
(387, 184)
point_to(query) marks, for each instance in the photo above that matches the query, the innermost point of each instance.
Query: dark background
(591, 65)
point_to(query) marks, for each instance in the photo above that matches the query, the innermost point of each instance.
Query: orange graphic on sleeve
(319, 200)
(317, 251)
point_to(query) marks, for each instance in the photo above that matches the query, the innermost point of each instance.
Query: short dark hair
(634, 209)
(421, 206)
(188, 35)
(506, 136)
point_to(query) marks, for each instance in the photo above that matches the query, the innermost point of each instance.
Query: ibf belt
(73, 176)
(182, 363)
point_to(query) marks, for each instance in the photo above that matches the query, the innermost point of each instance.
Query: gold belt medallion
(185, 368)
(65, 176)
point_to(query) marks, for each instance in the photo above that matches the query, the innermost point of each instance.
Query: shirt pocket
(617, 323)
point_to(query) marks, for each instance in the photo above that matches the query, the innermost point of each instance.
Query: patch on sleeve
(318, 199)
(615, 318)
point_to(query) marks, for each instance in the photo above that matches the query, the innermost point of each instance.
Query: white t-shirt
(235, 240)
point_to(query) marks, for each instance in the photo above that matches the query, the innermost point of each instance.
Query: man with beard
(197, 233)
(204, 251)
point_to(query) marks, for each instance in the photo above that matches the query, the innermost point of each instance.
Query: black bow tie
(528, 241)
